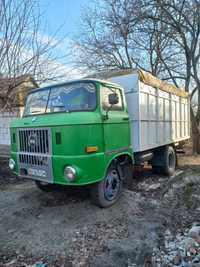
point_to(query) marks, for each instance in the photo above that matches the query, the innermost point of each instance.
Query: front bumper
(90, 169)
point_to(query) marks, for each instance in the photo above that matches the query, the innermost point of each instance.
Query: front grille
(37, 160)
(34, 140)
(35, 153)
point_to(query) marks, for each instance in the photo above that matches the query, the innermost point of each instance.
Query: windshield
(65, 98)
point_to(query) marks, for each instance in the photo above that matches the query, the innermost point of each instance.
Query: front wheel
(108, 191)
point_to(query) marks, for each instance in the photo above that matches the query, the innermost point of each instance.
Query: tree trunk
(195, 134)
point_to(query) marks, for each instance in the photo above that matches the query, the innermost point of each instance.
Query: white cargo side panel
(167, 121)
(157, 117)
(148, 119)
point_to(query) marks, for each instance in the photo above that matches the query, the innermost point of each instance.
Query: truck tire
(46, 187)
(169, 161)
(127, 170)
(106, 192)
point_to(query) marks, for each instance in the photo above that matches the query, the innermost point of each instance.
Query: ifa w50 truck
(92, 132)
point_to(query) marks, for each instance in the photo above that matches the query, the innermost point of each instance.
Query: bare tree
(183, 18)
(114, 35)
(24, 50)
(105, 37)
(159, 36)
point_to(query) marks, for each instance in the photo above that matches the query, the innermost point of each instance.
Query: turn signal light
(91, 149)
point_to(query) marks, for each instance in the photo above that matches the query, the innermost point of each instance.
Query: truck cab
(74, 134)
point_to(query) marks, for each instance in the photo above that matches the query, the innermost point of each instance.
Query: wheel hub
(112, 185)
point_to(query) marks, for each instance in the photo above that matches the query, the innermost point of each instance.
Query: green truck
(83, 133)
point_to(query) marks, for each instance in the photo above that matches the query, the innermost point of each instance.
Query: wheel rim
(112, 185)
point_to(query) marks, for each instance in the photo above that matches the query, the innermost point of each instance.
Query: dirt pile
(183, 250)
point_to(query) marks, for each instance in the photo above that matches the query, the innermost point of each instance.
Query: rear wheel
(169, 165)
(46, 187)
(164, 161)
(108, 191)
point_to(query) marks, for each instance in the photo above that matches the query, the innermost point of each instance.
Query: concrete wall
(5, 120)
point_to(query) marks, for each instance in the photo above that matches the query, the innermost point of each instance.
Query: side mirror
(113, 99)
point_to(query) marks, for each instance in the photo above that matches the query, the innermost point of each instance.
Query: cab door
(115, 121)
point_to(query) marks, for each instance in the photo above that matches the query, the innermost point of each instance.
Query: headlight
(70, 173)
(11, 164)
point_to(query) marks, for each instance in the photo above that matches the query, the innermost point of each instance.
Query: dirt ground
(63, 228)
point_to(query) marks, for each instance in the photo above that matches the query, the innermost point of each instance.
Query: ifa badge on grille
(32, 140)
(34, 119)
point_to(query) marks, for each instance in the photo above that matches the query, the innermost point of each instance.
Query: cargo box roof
(144, 77)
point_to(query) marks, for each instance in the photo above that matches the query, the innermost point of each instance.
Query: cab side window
(105, 99)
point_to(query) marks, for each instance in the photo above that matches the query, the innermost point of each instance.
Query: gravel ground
(63, 228)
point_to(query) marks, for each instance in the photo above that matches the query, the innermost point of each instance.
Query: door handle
(125, 118)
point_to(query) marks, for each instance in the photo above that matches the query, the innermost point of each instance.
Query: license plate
(37, 173)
